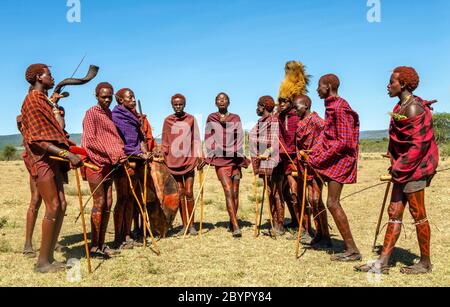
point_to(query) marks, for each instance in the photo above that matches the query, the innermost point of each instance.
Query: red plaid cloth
(412, 146)
(288, 128)
(262, 137)
(335, 156)
(147, 131)
(308, 135)
(101, 139)
(39, 126)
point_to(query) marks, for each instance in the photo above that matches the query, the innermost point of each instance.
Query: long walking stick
(202, 200)
(255, 192)
(270, 207)
(383, 207)
(261, 209)
(156, 250)
(145, 201)
(80, 199)
(196, 200)
(297, 247)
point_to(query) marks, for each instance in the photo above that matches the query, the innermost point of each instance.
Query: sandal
(29, 253)
(416, 269)
(237, 234)
(372, 268)
(344, 257)
(49, 268)
(109, 251)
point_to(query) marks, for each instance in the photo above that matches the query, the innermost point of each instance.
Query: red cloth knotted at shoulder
(413, 149)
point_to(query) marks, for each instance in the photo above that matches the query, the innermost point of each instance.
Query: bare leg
(340, 218)
(96, 215)
(32, 213)
(314, 189)
(48, 189)
(227, 185)
(417, 209)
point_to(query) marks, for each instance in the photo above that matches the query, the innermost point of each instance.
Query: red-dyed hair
(267, 102)
(33, 71)
(122, 92)
(331, 79)
(408, 76)
(178, 96)
(103, 85)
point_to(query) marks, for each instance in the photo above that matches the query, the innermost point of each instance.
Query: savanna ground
(218, 260)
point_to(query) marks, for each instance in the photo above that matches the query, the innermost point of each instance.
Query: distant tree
(9, 152)
(441, 122)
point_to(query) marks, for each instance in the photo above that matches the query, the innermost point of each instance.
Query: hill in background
(16, 139)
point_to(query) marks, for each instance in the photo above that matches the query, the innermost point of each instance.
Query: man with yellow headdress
(294, 84)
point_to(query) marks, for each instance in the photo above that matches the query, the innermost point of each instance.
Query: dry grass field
(218, 260)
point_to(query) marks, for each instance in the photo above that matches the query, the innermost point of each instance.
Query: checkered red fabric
(335, 156)
(39, 126)
(261, 138)
(308, 135)
(413, 149)
(101, 139)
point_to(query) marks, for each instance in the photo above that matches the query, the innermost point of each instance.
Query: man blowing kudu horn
(43, 137)
(105, 149)
(335, 158)
(35, 199)
(181, 147)
(414, 159)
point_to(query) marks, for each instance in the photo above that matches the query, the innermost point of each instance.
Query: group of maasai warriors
(293, 149)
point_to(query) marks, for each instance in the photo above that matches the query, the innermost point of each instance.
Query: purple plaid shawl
(129, 128)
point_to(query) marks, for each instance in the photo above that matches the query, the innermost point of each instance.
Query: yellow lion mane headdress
(295, 82)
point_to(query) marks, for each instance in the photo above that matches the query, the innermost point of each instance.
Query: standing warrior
(308, 134)
(181, 146)
(414, 159)
(43, 136)
(295, 83)
(224, 138)
(129, 127)
(335, 158)
(105, 149)
(264, 151)
(36, 199)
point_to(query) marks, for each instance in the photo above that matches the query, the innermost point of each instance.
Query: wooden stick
(297, 245)
(196, 200)
(80, 199)
(145, 201)
(380, 218)
(202, 200)
(270, 207)
(88, 165)
(255, 192)
(145, 217)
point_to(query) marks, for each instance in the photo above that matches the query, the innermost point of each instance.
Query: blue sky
(203, 47)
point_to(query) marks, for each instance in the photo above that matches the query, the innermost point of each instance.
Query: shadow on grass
(399, 255)
(206, 227)
(242, 224)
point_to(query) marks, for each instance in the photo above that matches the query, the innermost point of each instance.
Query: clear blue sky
(203, 47)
